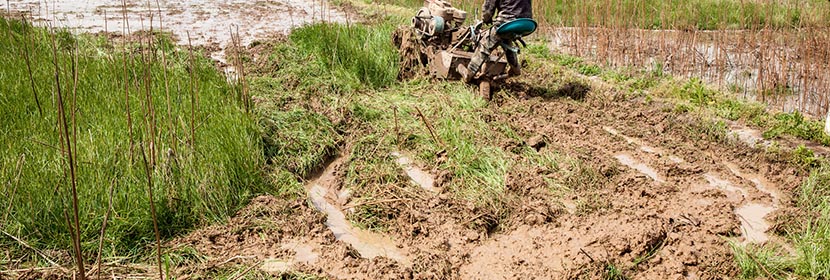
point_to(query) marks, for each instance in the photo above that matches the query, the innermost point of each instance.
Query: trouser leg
(513, 60)
(489, 41)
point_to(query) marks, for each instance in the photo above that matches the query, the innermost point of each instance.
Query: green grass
(194, 184)
(657, 14)
(340, 83)
(358, 55)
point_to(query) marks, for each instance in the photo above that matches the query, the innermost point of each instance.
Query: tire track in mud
(672, 200)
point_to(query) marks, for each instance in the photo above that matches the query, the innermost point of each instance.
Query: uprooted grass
(199, 177)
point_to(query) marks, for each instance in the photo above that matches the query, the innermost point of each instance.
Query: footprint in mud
(418, 176)
(368, 244)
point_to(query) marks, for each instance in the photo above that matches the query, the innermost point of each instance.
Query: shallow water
(368, 244)
(207, 21)
(630, 161)
(753, 223)
(418, 176)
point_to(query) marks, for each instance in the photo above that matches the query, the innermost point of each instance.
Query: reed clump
(86, 88)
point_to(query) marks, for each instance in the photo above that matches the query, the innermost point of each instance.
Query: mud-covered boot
(514, 71)
(466, 74)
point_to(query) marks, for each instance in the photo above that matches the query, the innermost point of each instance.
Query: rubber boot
(466, 74)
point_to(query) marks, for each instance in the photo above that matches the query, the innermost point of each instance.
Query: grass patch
(199, 178)
(356, 54)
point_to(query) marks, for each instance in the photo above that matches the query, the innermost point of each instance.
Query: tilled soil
(657, 197)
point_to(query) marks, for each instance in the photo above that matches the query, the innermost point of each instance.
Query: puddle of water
(761, 183)
(367, 244)
(418, 176)
(276, 266)
(642, 146)
(629, 161)
(303, 253)
(751, 214)
(753, 224)
(749, 136)
(733, 192)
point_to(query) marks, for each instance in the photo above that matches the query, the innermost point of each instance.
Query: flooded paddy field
(783, 68)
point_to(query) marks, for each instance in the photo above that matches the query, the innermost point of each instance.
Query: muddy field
(639, 189)
(647, 193)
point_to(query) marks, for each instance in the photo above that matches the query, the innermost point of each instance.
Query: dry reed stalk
(29, 63)
(71, 160)
(74, 106)
(397, 130)
(150, 115)
(170, 126)
(429, 127)
(127, 36)
(193, 92)
(104, 229)
(152, 209)
(246, 99)
(38, 252)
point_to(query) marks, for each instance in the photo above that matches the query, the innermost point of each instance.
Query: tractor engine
(437, 22)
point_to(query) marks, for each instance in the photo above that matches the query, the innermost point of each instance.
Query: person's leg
(488, 42)
(513, 61)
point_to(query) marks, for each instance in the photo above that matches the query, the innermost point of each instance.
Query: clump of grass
(192, 185)
(297, 140)
(355, 53)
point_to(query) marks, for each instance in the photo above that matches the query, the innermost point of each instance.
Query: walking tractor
(439, 44)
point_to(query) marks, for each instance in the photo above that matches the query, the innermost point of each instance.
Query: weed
(612, 272)
(589, 70)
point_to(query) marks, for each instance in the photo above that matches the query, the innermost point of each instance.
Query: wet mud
(653, 195)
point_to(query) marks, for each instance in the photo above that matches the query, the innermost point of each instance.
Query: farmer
(489, 40)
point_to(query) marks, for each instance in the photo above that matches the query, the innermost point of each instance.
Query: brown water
(368, 244)
(418, 176)
(627, 160)
(779, 67)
